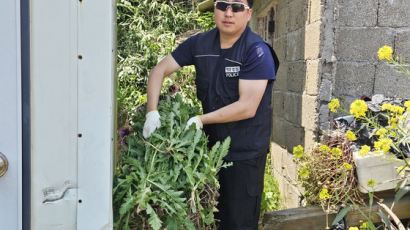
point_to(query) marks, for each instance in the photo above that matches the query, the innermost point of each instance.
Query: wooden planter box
(313, 218)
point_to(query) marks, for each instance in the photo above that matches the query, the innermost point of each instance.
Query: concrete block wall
(285, 172)
(360, 30)
(296, 40)
(288, 89)
(352, 33)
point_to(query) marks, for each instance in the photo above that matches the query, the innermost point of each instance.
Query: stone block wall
(296, 40)
(360, 30)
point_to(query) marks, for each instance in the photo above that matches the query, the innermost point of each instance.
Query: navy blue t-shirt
(258, 63)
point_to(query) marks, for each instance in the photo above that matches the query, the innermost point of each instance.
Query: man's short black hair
(250, 3)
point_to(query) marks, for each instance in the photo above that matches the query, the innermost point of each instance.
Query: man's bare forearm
(234, 112)
(165, 67)
(155, 80)
(250, 96)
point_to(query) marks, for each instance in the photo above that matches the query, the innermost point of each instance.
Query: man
(235, 70)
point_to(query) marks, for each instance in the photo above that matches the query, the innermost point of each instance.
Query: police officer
(235, 70)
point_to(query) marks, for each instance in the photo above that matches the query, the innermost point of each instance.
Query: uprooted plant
(168, 179)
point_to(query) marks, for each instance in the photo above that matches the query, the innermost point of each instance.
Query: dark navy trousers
(240, 194)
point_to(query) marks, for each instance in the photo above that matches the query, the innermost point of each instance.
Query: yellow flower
(392, 133)
(353, 228)
(336, 153)
(358, 108)
(334, 105)
(381, 132)
(407, 105)
(304, 172)
(383, 144)
(324, 149)
(397, 109)
(298, 151)
(364, 150)
(393, 121)
(386, 107)
(324, 194)
(402, 169)
(347, 166)
(401, 118)
(385, 52)
(371, 183)
(364, 225)
(350, 135)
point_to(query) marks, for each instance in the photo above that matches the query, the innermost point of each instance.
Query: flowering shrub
(387, 137)
(327, 172)
(387, 131)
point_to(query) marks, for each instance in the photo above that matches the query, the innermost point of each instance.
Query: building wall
(296, 40)
(327, 49)
(350, 39)
(361, 29)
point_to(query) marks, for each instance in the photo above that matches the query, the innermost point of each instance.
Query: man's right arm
(165, 67)
(182, 56)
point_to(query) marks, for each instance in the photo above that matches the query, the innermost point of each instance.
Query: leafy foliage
(206, 21)
(147, 32)
(168, 179)
(270, 196)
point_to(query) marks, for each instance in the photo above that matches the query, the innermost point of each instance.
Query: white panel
(96, 38)
(10, 114)
(53, 114)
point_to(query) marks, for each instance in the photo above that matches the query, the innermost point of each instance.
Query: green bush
(147, 32)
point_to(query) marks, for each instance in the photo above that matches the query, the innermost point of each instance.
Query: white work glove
(196, 120)
(152, 123)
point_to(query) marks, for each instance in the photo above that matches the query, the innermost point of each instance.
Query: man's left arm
(250, 95)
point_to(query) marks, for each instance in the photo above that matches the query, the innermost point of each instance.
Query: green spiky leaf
(341, 214)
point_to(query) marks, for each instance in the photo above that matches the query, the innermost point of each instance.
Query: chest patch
(232, 71)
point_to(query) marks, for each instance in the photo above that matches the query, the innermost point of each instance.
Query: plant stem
(392, 215)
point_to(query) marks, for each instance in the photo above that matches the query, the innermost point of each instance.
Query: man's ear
(250, 14)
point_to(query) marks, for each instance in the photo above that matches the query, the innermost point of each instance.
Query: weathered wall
(296, 41)
(353, 32)
(361, 29)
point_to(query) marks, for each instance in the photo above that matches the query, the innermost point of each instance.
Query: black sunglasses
(235, 6)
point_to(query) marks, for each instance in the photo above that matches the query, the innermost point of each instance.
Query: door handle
(4, 164)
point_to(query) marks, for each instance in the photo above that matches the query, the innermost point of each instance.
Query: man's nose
(228, 11)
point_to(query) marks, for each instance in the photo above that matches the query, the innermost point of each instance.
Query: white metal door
(10, 115)
(72, 48)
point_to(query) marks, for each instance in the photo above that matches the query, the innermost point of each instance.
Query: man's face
(232, 23)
